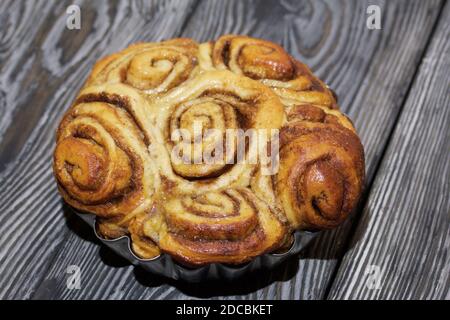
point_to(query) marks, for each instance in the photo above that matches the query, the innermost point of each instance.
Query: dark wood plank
(19, 29)
(405, 226)
(370, 70)
(43, 65)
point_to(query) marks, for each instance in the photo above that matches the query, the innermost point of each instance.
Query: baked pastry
(119, 147)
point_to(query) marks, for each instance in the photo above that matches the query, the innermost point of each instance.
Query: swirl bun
(321, 168)
(270, 64)
(228, 226)
(218, 100)
(162, 145)
(101, 161)
(150, 67)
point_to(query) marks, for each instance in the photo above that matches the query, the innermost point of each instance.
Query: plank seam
(188, 17)
(358, 216)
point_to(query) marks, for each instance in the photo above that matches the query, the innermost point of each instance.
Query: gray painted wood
(405, 226)
(370, 70)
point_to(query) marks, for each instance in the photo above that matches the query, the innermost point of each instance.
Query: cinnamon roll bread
(212, 153)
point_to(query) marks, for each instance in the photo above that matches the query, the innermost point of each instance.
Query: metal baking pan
(164, 265)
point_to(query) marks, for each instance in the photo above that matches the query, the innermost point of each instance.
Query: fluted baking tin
(164, 265)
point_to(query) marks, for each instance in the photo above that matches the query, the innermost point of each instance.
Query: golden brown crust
(113, 155)
(228, 226)
(321, 173)
(150, 67)
(268, 63)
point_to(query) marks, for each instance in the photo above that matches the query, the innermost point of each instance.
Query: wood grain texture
(43, 65)
(370, 70)
(405, 225)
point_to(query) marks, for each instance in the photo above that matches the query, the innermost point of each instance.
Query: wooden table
(394, 83)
